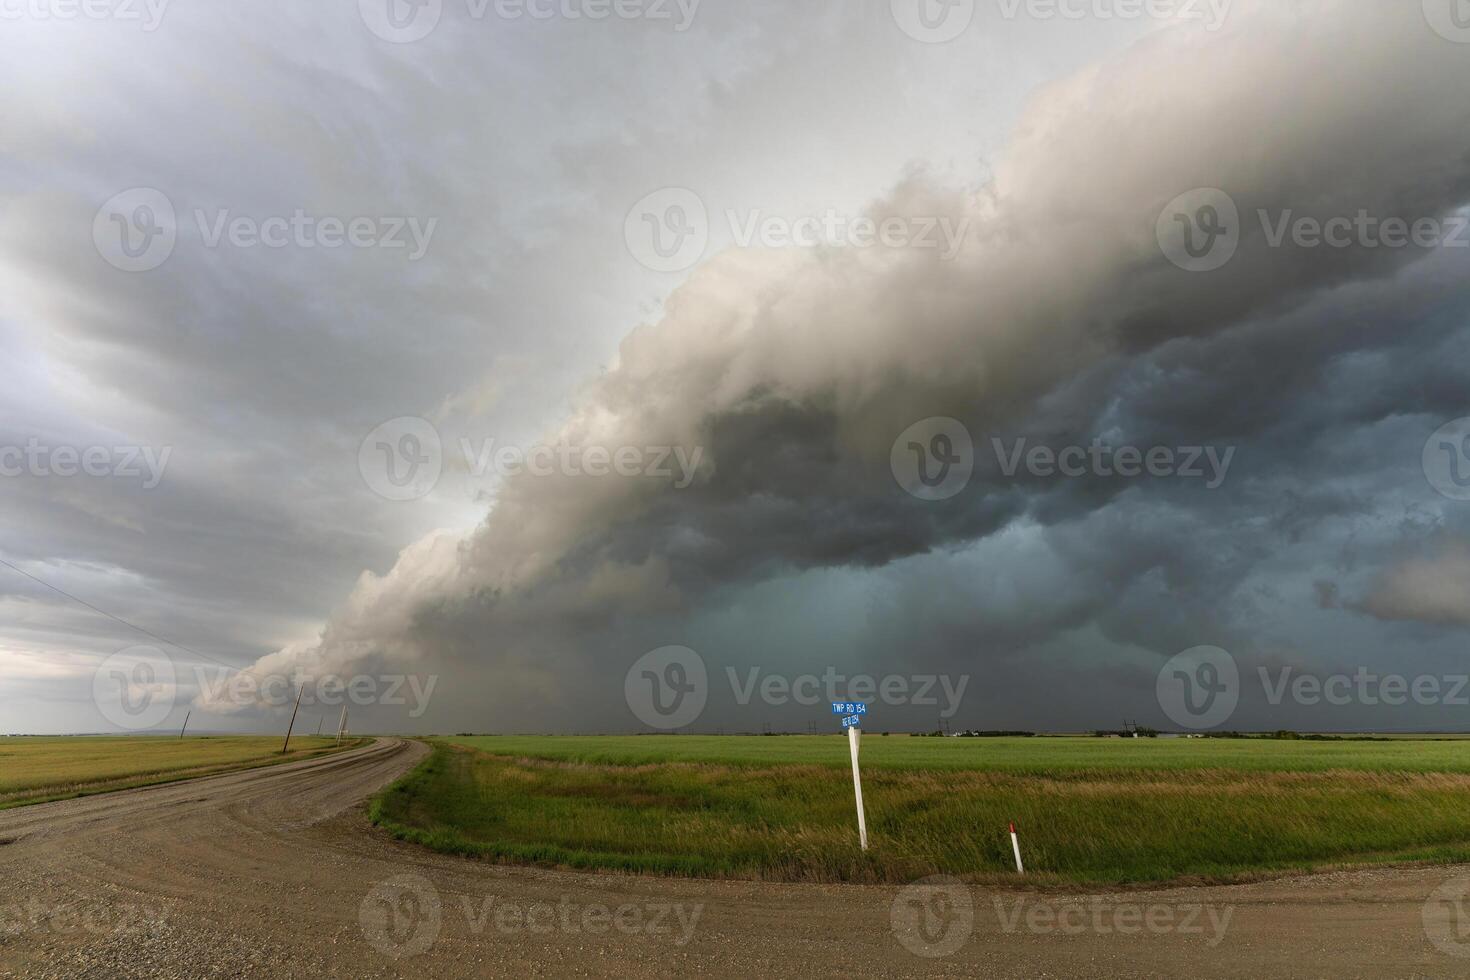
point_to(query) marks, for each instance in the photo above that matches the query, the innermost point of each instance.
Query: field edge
(178, 776)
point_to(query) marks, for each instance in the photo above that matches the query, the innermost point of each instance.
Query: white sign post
(854, 733)
(853, 712)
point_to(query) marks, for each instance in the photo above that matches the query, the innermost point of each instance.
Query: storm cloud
(1063, 319)
(1060, 318)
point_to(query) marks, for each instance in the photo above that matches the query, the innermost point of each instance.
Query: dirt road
(276, 872)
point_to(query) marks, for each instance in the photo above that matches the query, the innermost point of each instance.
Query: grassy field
(1039, 756)
(37, 769)
(1089, 810)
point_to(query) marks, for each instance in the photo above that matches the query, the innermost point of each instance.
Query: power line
(118, 619)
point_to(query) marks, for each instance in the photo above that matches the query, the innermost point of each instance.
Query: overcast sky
(291, 295)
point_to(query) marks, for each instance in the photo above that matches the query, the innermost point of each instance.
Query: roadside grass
(38, 769)
(1089, 811)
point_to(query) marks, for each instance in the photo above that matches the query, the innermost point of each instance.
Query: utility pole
(341, 724)
(319, 719)
(186, 722)
(293, 718)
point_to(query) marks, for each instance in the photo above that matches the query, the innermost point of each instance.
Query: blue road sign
(849, 708)
(852, 721)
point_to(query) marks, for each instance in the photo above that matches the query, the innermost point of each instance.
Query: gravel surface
(276, 873)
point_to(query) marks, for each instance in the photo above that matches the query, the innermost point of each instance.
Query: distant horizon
(1019, 733)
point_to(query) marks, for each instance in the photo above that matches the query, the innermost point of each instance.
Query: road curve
(276, 873)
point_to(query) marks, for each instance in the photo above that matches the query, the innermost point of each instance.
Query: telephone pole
(293, 718)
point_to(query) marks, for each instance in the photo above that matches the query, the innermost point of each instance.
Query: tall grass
(1092, 824)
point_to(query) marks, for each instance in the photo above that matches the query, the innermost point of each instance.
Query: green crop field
(1089, 810)
(35, 769)
(1042, 756)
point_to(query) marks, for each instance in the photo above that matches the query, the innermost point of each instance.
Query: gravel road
(276, 872)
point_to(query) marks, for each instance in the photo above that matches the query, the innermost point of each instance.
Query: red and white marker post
(1016, 849)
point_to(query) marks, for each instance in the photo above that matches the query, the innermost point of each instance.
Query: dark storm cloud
(1061, 322)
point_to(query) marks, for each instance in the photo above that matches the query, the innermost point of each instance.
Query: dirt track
(275, 872)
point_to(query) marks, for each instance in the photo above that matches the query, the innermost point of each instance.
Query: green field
(1089, 810)
(35, 769)
(1041, 756)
